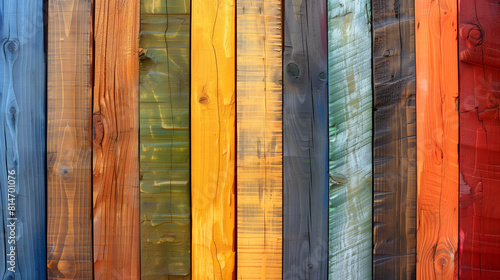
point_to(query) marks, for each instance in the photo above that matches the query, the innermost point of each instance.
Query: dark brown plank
(305, 145)
(395, 181)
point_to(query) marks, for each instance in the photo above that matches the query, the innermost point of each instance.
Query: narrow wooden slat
(395, 147)
(479, 46)
(259, 139)
(69, 150)
(437, 138)
(164, 140)
(305, 141)
(22, 140)
(213, 139)
(115, 140)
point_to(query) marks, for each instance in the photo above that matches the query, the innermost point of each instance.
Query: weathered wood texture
(115, 140)
(69, 147)
(305, 141)
(437, 138)
(213, 139)
(395, 146)
(164, 140)
(22, 139)
(259, 139)
(350, 136)
(479, 46)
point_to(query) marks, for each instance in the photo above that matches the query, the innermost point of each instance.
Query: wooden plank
(350, 135)
(305, 145)
(69, 150)
(259, 139)
(213, 139)
(115, 140)
(22, 140)
(437, 138)
(164, 140)
(479, 46)
(395, 149)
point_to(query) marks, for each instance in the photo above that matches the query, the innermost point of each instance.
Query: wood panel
(437, 139)
(395, 146)
(164, 140)
(115, 140)
(259, 139)
(22, 140)
(350, 136)
(213, 139)
(479, 46)
(69, 148)
(305, 146)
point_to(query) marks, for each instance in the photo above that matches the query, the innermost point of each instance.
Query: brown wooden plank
(305, 141)
(69, 147)
(115, 140)
(395, 150)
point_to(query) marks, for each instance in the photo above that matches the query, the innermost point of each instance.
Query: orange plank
(213, 139)
(115, 152)
(259, 139)
(437, 139)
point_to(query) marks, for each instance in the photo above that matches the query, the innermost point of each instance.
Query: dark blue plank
(22, 138)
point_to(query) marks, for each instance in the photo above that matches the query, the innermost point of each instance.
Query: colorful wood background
(250, 139)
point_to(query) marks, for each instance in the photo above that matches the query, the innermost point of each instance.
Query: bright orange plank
(437, 139)
(213, 139)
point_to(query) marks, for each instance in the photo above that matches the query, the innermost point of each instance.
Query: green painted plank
(164, 140)
(350, 135)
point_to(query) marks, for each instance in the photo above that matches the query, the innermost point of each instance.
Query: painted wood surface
(479, 46)
(305, 146)
(259, 139)
(213, 139)
(350, 136)
(164, 140)
(437, 139)
(395, 146)
(115, 140)
(69, 147)
(22, 140)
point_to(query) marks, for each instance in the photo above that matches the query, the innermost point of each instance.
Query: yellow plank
(259, 139)
(212, 136)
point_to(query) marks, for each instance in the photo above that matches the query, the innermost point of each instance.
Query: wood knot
(473, 35)
(322, 76)
(98, 130)
(204, 99)
(11, 46)
(293, 70)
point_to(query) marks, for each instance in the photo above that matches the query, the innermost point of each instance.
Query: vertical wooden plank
(259, 139)
(305, 146)
(437, 138)
(395, 146)
(69, 150)
(479, 46)
(164, 140)
(213, 139)
(22, 140)
(350, 135)
(115, 140)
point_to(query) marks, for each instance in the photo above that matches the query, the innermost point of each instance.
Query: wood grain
(479, 53)
(164, 140)
(213, 139)
(437, 138)
(22, 139)
(115, 140)
(259, 139)
(350, 136)
(395, 149)
(305, 146)
(69, 148)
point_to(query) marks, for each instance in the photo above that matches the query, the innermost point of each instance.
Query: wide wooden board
(69, 147)
(305, 141)
(115, 140)
(259, 139)
(437, 138)
(213, 139)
